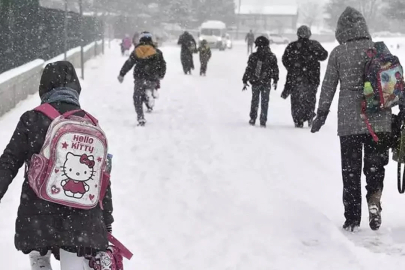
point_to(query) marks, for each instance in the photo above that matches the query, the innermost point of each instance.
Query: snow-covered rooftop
(268, 10)
(213, 24)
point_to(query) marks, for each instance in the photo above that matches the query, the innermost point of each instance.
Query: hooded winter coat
(301, 59)
(42, 225)
(346, 66)
(188, 46)
(268, 71)
(149, 62)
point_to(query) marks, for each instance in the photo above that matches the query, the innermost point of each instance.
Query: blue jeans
(264, 92)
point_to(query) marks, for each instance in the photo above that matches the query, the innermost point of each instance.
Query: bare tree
(310, 12)
(369, 9)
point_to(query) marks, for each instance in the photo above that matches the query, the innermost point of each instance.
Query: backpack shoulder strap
(89, 116)
(124, 251)
(48, 110)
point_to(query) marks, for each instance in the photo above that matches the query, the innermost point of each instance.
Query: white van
(214, 32)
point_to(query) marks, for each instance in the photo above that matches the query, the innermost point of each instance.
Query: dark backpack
(262, 70)
(383, 82)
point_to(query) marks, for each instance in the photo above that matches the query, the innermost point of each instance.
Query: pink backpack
(70, 168)
(112, 258)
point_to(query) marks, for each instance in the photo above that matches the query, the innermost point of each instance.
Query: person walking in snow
(44, 227)
(126, 44)
(301, 59)
(205, 56)
(261, 70)
(150, 68)
(347, 66)
(250, 39)
(188, 47)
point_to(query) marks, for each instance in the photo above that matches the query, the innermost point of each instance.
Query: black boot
(252, 122)
(141, 122)
(374, 211)
(351, 226)
(263, 124)
(299, 124)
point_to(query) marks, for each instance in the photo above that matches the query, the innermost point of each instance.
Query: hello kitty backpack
(71, 167)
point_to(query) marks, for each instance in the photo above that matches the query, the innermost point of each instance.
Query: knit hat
(262, 41)
(304, 32)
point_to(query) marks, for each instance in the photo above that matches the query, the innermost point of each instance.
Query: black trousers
(203, 68)
(264, 92)
(376, 157)
(140, 97)
(249, 48)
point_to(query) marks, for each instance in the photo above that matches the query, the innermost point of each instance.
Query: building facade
(277, 19)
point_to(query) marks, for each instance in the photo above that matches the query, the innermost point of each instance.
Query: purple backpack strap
(48, 110)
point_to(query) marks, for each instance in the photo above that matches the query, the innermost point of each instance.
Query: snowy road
(198, 188)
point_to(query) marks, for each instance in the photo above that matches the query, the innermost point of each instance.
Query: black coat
(188, 47)
(187, 42)
(301, 59)
(42, 225)
(149, 63)
(269, 69)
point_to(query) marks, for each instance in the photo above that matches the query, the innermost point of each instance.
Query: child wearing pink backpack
(66, 203)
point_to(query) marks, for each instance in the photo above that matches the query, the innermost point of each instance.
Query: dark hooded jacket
(301, 59)
(346, 66)
(268, 70)
(149, 63)
(42, 225)
(187, 41)
(188, 47)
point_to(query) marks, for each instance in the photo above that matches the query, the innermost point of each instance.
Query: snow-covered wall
(18, 83)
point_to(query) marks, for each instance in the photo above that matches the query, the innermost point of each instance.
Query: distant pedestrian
(250, 39)
(205, 56)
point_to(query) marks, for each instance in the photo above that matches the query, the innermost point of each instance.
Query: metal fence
(29, 32)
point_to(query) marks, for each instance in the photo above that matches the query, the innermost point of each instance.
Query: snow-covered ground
(198, 188)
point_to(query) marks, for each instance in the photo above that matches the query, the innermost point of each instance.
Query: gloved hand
(245, 86)
(120, 79)
(157, 85)
(109, 228)
(275, 85)
(319, 121)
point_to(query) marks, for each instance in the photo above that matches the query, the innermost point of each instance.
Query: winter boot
(149, 99)
(155, 94)
(39, 262)
(351, 226)
(252, 122)
(299, 125)
(263, 124)
(141, 122)
(374, 210)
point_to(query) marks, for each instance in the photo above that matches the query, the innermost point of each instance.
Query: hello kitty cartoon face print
(78, 169)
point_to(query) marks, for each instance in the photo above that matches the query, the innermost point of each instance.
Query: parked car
(276, 38)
